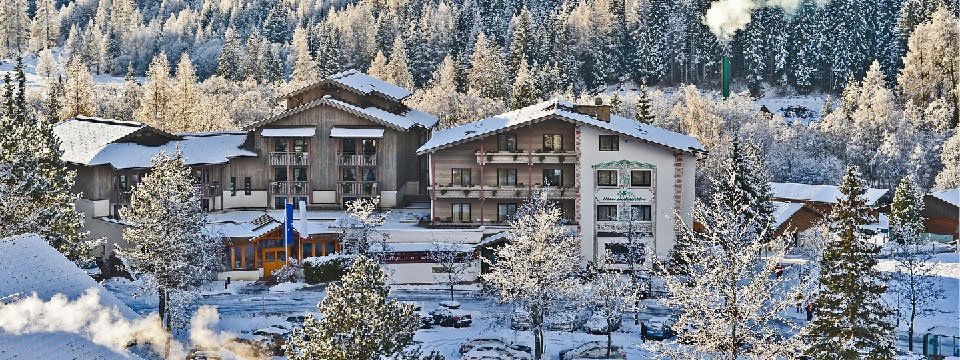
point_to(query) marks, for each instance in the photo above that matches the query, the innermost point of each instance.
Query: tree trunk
(162, 308)
(913, 318)
(609, 337)
(538, 343)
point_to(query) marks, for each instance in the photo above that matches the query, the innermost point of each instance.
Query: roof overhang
(305, 132)
(339, 132)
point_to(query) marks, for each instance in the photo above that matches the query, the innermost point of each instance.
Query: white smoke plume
(106, 326)
(726, 17)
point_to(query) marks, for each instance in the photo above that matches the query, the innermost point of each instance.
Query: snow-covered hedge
(325, 268)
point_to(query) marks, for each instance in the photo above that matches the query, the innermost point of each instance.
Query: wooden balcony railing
(356, 160)
(289, 188)
(563, 157)
(294, 159)
(500, 192)
(357, 188)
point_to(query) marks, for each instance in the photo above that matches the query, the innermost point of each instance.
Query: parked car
(199, 354)
(453, 305)
(520, 320)
(659, 328)
(593, 350)
(571, 318)
(451, 318)
(598, 324)
(493, 349)
(482, 342)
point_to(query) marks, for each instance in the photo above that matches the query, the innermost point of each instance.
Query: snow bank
(287, 287)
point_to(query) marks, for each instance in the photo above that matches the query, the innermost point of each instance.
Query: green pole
(725, 74)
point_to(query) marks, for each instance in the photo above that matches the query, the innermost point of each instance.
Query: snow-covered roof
(209, 148)
(82, 138)
(338, 132)
(405, 121)
(29, 265)
(818, 193)
(422, 247)
(783, 211)
(563, 110)
(367, 84)
(308, 131)
(951, 196)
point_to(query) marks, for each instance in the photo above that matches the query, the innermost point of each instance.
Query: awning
(290, 132)
(356, 133)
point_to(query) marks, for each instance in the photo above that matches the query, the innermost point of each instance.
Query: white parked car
(659, 328)
(598, 325)
(494, 348)
(593, 350)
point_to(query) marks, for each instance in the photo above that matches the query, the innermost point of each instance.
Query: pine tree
(520, 49)
(130, 95)
(949, 177)
(524, 88)
(915, 278)
(534, 270)
(46, 66)
(488, 75)
(231, 57)
(304, 67)
(929, 68)
(254, 64)
(45, 28)
(359, 320)
(398, 70)
(378, 67)
(78, 91)
(169, 244)
(14, 32)
(155, 107)
(851, 319)
(185, 98)
(806, 39)
(275, 26)
(644, 113)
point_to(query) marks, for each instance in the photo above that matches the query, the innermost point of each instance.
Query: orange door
(273, 259)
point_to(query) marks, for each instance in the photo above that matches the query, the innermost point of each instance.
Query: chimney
(597, 110)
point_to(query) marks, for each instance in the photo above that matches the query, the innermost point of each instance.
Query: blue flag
(288, 238)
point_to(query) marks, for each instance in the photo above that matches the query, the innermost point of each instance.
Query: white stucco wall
(630, 149)
(422, 273)
(256, 199)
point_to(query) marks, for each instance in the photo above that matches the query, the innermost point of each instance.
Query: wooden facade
(268, 251)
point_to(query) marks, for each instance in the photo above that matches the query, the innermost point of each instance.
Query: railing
(562, 157)
(356, 160)
(357, 188)
(284, 158)
(500, 192)
(208, 190)
(289, 187)
(642, 228)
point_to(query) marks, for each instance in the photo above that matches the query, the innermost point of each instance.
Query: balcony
(643, 228)
(292, 159)
(356, 160)
(208, 190)
(563, 157)
(500, 192)
(289, 188)
(357, 188)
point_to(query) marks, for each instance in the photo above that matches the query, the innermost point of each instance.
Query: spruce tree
(644, 112)
(524, 88)
(359, 320)
(398, 69)
(851, 320)
(488, 75)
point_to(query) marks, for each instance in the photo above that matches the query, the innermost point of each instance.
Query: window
(307, 249)
(609, 143)
(250, 252)
(507, 142)
(641, 213)
(269, 256)
(369, 174)
(122, 182)
(369, 146)
(507, 177)
(461, 212)
(552, 142)
(247, 189)
(640, 178)
(606, 178)
(348, 146)
(299, 145)
(281, 255)
(233, 186)
(299, 174)
(279, 202)
(205, 176)
(280, 145)
(552, 177)
(349, 174)
(505, 212)
(329, 248)
(237, 257)
(280, 174)
(461, 177)
(606, 213)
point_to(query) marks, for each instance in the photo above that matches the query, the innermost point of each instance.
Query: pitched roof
(563, 110)
(400, 122)
(29, 265)
(359, 83)
(950, 196)
(782, 212)
(818, 193)
(95, 141)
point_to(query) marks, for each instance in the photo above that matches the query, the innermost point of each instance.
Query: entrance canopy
(338, 132)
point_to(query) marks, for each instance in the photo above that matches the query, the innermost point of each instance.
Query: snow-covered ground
(947, 272)
(36, 81)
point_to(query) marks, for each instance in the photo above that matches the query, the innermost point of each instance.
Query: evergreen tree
(644, 113)
(329, 54)
(169, 244)
(185, 98)
(488, 75)
(155, 107)
(524, 88)
(45, 28)
(275, 26)
(807, 41)
(359, 320)
(378, 67)
(745, 188)
(231, 57)
(398, 69)
(949, 177)
(520, 41)
(851, 319)
(130, 95)
(929, 68)
(304, 67)
(254, 64)
(14, 32)
(78, 91)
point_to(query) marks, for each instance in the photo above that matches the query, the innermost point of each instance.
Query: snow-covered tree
(915, 281)
(168, 243)
(930, 69)
(185, 98)
(730, 306)
(949, 177)
(609, 294)
(851, 320)
(304, 67)
(45, 27)
(15, 30)
(362, 228)
(524, 89)
(534, 270)
(155, 104)
(644, 113)
(229, 64)
(454, 263)
(78, 91)
(378, 66)
(488, 74)
(359, 320)
(46, 66)
(398, 69)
